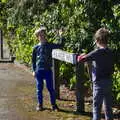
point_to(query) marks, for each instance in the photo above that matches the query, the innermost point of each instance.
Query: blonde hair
(39, 30)
(102, 35)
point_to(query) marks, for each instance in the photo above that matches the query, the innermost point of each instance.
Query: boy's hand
(81, 57)
(33, 74)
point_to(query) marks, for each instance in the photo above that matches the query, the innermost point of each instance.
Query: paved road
(11, 76)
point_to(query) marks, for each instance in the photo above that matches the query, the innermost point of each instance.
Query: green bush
(116, 85)
(80, 18)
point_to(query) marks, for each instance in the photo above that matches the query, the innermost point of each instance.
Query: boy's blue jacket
(42, 55)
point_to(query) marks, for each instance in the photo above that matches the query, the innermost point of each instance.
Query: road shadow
(116, 116)
(88, 114)
(63, 99)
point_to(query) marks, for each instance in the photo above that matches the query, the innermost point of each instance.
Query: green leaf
(3, 1)
(72, 2)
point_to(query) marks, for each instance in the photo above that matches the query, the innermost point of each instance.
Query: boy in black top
(102, 69)
(42, 63)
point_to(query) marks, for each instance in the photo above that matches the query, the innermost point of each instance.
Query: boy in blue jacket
(41, 64)
(102, 69)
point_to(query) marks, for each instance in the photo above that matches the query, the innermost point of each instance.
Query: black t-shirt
(102, 63)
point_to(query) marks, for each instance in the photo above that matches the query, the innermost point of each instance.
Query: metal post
(1, 44)
(80, 88)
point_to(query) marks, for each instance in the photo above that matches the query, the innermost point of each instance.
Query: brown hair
(102, 35)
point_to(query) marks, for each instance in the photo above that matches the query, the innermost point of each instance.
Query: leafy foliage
(79, 18)
(116, 83)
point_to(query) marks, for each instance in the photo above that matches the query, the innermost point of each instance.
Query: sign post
(58, 54)
(64, 56)
(80, 106)
(56, 80)
(70, 58)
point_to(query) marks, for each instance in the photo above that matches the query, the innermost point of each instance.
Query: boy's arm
(34, 59)
(81, 58)
(87, 57)
(60, 43)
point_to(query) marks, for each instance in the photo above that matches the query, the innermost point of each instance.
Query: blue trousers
(48, 76)
(102, 93)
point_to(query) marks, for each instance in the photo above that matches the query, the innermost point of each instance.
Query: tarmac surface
(11, 77)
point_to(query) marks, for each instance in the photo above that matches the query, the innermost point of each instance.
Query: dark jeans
(102, 93)
(48, 76)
